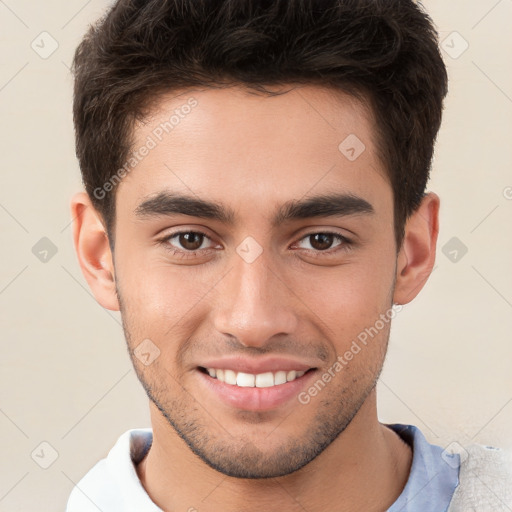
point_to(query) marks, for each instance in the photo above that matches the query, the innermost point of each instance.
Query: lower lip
(256, 399)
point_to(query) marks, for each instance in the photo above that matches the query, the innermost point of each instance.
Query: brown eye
(321, 241)
(191, 241)
(189, 244)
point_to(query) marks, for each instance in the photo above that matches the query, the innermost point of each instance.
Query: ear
(418, 252)
(93, 251)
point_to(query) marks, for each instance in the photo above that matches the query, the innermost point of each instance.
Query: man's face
(253, 292)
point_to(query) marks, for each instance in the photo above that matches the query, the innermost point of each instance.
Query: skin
(253, 153)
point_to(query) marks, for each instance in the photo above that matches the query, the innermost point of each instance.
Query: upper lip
(256, 366)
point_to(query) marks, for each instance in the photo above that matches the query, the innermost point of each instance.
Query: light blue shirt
(433, 477)
(112, 485)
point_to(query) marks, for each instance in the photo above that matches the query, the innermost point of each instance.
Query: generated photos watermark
(342, 361)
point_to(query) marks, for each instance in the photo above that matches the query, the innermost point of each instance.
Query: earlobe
(417, 255)
(93, 251)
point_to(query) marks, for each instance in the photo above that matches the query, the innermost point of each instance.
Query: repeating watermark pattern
(146, 352)
(342, 361)
(454, 249)
(249, 250)
(44, 49)
(152, 141)
(44, 250)
(454, 45)
(454, 454)
(352, 147)
(44, 455)
(45, 45)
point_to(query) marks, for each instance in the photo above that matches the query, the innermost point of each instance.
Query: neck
(365, 468)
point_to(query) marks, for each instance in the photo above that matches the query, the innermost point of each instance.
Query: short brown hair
(385, 51)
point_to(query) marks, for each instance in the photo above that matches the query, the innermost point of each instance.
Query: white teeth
(245, 380)
(291, 375)
(229, 377)
(249, 380)
(279, 378)
(264, 380)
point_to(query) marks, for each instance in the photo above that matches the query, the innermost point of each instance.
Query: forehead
(233, 145)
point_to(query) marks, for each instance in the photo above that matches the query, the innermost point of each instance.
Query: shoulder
(91, 491)
(108, 483)
(485, 480)
(94, 491)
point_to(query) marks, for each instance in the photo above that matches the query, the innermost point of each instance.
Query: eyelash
(345, 245)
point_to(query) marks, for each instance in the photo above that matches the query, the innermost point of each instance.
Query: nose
(254, 304)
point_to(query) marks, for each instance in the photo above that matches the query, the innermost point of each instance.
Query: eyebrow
(326, 205)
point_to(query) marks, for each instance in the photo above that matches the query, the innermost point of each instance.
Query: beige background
(65, 375)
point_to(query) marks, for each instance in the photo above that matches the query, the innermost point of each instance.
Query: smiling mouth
(251, 380)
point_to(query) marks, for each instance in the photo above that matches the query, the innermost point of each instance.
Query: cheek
(350, 297)
(164, 299)
(159, 293)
